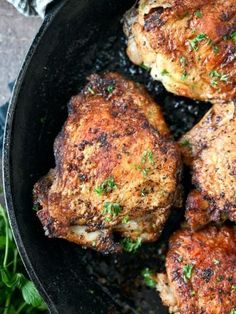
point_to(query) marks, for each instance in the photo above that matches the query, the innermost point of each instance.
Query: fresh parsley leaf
(164, 72)
(130, 245)
(194, 42)
(233, 311)
(110, 88)
(187, 272)
(112, 209)
(148, 278)
(125, 220)
(106, 187)
(198, 13)
(233, 36)
(233, 287)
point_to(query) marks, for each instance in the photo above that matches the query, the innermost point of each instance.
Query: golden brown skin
(190, 46)
(114, 131)
(210, 286)
(210, 150)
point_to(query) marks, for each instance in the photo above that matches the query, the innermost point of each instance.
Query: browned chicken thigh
(210, 150)
(200, 272)
(117, 168)
(190, 46)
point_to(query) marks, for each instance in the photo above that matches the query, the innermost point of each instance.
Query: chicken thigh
(117, 168)
(200, 272)
(190, 46)
(210, 150)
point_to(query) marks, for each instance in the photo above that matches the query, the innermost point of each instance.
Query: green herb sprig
(148, 276)
(130, 245)
(18, 294)
(106, 187)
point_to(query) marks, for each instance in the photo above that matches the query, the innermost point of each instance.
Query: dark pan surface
(79, 38)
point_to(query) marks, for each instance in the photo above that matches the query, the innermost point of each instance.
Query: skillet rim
(6, 157)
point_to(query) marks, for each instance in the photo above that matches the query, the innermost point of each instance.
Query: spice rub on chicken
(200, 272)
(117, 169)
(210, 150)
(190, 46)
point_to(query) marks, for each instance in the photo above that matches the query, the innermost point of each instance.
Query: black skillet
(78, 37)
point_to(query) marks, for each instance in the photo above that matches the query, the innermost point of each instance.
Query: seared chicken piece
(117, 168)
(190, 46)
(200, 272)
(210, 150)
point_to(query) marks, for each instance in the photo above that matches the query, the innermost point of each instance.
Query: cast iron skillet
(77, 38)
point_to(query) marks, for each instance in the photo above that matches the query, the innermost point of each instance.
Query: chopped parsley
(110, 88)
(36, 207)
(148, 155)
(143, 192)
(91, 90)
(130, 245)
(198, 13)
(183, 61)
(233, 36)
(184, 76)
(194, 42)
(234, 287)
(216, 76)
(148, 278)
(187, 272)
(192, 293)
(180, 259)
(111, 209)
(216, 49)
(216, 261)
(125, 220)
(185, 142)
(107, 186)
(233, 311)
(164, 72)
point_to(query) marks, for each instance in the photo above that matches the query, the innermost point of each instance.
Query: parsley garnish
(130, 245)
(36, 207)
(194, 42)
(216, 49)
(217, 76)
(233, 36)
(112, 209)
(110, 88)
(187, 272)
(180, 259)
(184, 76)
(183, 60)
(233, 287)
(216, 261)
(164, 72)
(233, 311)
(198, 13)
(91, 90)
(185, 142)
(125, 220)
(107, 186)
(148, 277)
(148, 155)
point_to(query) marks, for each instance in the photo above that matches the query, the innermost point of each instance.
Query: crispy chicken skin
(117, 168)
(200, 272)
(210, 150)
(190, 46)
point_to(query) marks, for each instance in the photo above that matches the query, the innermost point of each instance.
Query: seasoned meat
(210, 150)
(190, 46)
(200, 272)
(117, 168)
